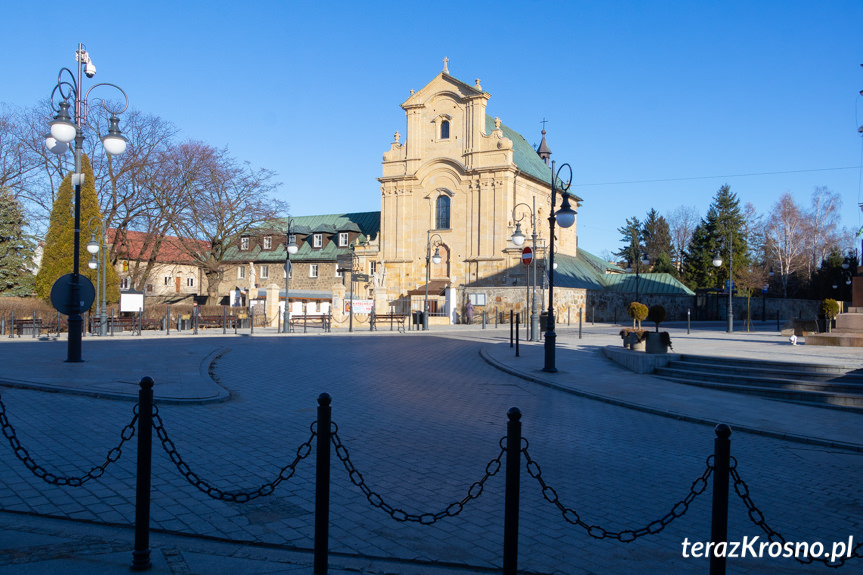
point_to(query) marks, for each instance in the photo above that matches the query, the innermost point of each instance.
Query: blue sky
(672, 98)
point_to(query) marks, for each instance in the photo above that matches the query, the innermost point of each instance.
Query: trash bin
(543, 321)
(417, 317)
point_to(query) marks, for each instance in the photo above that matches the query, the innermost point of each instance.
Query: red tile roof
(171, 250)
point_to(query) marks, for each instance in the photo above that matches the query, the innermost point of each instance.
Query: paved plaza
(421, 416)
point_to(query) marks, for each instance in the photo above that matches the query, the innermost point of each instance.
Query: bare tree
(682, 223)
(822, 227)
(785, 238)
(217, 198)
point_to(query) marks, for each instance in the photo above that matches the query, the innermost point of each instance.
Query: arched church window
(444, 130)
(442, 212)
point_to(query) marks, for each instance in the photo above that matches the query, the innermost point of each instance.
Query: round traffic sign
(61, 295)
(526, 256)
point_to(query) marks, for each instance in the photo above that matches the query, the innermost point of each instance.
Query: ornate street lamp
(436, 259)
(518, 239)
(64, 129)
(94, 247)
(290, 249)
(717, 261)
(565, 218)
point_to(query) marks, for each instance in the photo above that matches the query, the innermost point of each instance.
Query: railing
(324, 433)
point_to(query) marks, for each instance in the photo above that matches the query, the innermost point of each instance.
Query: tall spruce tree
(57, 256)
(631, 238)
(724, 223)
(16, 249)
(657, 238)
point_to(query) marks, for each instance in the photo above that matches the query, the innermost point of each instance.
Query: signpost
(526, 256)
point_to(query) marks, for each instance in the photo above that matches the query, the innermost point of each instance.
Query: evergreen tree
(57, 251)
(724, 223)
(57, 257)
(631, 239)
(657, 237)
(16, 249)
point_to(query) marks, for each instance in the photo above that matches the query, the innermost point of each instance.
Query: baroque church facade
(453, 190)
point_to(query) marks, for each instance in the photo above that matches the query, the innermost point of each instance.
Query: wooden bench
(27, 327)
(306, 320)
(226, 321)
(391, 319)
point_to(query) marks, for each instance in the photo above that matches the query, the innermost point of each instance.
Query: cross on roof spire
(445, 68)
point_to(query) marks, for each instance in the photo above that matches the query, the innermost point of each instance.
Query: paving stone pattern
(421, 417)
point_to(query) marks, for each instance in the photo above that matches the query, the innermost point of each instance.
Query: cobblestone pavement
(421, 417)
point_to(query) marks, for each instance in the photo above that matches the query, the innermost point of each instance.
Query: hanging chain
(40, 472)
(236, 496)
(757, 517)
(629, 535)
(491, 469)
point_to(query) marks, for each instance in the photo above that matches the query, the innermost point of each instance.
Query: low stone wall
(639, 361)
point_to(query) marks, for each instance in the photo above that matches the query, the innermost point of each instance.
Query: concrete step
(850, 321)
(822, 399)
(839, 339)
(775, 380)
(759, 364)
(815, 384)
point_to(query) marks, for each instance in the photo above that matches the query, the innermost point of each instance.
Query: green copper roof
(586, 271)
(523, 154)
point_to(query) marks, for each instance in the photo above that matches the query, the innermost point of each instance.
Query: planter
(626, 342)
(655, 343)
(635, 344)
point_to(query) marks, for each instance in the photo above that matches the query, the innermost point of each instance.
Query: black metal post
(195, 320)
(168, 320)
(3, 326)
(579, 323)
(224, 320)
(517, 321)
(58, 325)
(322, 485)
(305, 320)
(113, 321)
(510, 328)
(141, 554)
(719, 524)
(372, 321)
(35, 331)
(513, 470)
(12, 326)
(252, 320)
(484, 320)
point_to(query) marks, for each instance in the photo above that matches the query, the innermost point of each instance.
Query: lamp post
(641, 259)
(564, 217)
(717, 261)
(290, 249)
(64, 129)
(436, 259)
(94, 247)
(518, 239)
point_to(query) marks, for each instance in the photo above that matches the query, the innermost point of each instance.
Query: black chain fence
(52, 478)
(757, 517)
(236, 496)
(475, 490)
(628, 535)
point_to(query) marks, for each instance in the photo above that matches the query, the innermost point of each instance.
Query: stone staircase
(813, 384)
(847, 333)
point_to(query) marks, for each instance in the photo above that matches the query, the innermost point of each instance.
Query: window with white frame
(317, 240)
(373, 267)
(343, 239)
(125, 283)
(313, 270)
(244, 243)
(339, 272)
(190, 281)
(241, 272)
(265, 272)
(268, 242)
(169, 280)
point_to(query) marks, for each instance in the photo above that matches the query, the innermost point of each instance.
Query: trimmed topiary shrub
(638, 313)
(657, 315)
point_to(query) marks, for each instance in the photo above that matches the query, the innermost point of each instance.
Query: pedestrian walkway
(181, 366)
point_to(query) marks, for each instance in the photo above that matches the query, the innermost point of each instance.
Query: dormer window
(444, 130)
(244, 243)
(317, 240)
(268, 242)
(343, 239)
